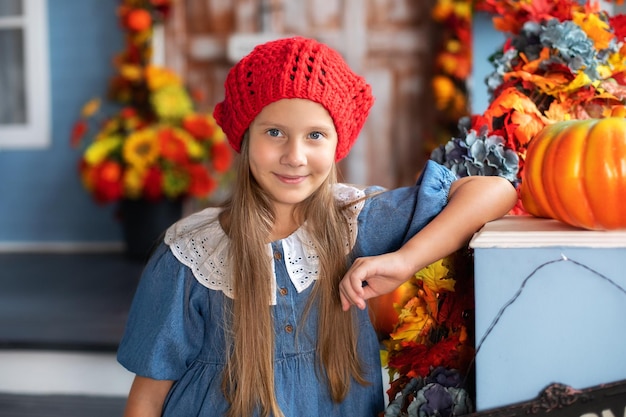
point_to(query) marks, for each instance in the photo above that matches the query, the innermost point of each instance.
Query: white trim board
(61, 247)
(533, 232)
(47, 372)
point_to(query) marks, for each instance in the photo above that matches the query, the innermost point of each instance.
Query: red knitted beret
(294, 68)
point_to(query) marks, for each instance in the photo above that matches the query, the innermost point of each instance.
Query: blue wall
(485, 41)
(41, 198)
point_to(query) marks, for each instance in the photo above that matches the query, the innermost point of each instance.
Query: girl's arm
(146, 397)
(473, 201)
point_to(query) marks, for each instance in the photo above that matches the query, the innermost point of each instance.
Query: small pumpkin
(384, 309)
(575, 172)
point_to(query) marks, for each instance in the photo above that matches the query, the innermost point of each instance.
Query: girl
(244, 310)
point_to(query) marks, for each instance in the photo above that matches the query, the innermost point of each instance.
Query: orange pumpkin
(575, 172)
(384, 309)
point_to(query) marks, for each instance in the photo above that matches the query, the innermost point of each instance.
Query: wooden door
(386, 41)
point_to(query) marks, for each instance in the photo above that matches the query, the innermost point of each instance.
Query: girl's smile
(291, 180)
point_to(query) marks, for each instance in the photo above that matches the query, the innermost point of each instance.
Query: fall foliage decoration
(561, 60)
(426, 326)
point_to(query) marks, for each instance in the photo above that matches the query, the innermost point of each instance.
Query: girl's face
(292, 150)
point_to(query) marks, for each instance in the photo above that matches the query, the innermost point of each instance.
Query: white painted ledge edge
(533, 232)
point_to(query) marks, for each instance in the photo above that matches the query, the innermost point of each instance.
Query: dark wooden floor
(16, 405)
(65, 301)
(69, 302)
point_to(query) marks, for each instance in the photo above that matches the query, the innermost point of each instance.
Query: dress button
(277, 256)
(283, 291)
(289, 328)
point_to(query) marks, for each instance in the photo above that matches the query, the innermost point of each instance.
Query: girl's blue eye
(316, 135)
(273, 132)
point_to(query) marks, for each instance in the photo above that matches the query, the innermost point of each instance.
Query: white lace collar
(199, 242)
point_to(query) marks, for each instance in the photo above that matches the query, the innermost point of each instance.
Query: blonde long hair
(247, 218)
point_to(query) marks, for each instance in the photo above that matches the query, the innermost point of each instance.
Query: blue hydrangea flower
(574, 47)
(478, 154)
(435, 400)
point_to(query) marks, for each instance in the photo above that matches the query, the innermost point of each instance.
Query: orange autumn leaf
(582, 80)
(533, 66)
(528, 125)
(506, 24)
(414, 322)
(547, 84)
(559, 111)
(432, 300)
(509, 100)
(597, 29)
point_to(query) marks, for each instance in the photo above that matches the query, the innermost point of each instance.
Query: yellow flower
(99, 150)
(133, 181)
(435, 277)
(218, 135)
(441, 10)
(194, 149)
(131, 72)
(444, 91)
(453, 46)
(463, 9)
(171, 102)
(141, 148)
(159, 77)
(618, 63)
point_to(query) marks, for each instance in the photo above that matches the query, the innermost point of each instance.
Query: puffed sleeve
(390, 218)
(164, 330)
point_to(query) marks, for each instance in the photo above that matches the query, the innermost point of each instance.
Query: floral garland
(452, 68)
(562, 60)
(156, 145)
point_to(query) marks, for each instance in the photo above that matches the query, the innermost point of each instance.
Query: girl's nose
(294, 153)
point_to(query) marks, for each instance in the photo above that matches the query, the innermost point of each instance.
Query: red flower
(198, 126)
(153, 184)
(107, 182)
(201, 183)
(128, 112)
(78, 131)
(221, 157)
(172, 147)
(138, 20)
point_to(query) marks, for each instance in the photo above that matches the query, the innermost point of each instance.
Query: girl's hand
(371, 276)
(473, 201)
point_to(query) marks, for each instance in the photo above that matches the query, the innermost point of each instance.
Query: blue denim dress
(175, 326)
